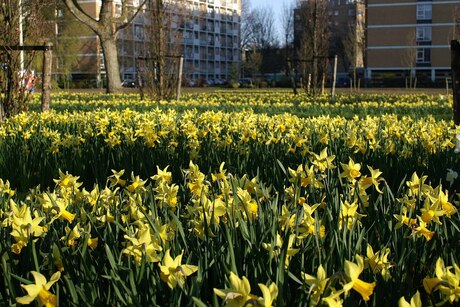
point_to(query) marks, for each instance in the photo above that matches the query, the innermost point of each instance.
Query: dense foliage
(231, 200)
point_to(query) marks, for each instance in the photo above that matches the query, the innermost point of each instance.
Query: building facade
(346, 26)
(209, 41)
(410, 38)
(209, 32)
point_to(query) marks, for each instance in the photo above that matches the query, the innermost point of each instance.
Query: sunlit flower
(353, 270)
(40, 290)
(173, 272)
(415, 301)
(351, 170)
(239, 292)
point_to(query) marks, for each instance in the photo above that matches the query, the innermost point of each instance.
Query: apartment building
(346, 27)
(410, 37)
(210, 40)
(209, 32)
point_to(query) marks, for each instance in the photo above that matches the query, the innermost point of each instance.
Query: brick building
(409, 37)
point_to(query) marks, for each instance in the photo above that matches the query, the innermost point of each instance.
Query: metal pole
(179, 79)
(455, 66)
(21, 38)
(46, 76)
(334, 77)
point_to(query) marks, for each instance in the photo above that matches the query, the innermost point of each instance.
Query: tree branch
(123, 21)
(81, 15)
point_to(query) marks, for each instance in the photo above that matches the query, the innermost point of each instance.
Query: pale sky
(276, 5)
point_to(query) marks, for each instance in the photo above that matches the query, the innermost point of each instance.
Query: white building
(210, 40)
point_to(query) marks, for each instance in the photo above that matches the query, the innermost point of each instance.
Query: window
(424, 11)
(423, 34)
(423, 55)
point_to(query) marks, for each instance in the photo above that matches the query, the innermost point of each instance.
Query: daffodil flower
(351, 171)
(40, 290)
(414, 301)
(239, 292)
(269, 294)
(446, 282)
(317, 284)
(374, 179)
(142, 245)
(379, 261)
(353, 270)
(173, 272)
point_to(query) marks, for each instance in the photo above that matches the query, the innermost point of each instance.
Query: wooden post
(46, 76)
(455, 66)
(334, 77)
(179, 78)
(447, 87)
(139, 81)
(323, 82)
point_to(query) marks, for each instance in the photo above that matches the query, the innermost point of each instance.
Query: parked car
(129, 83)
(245, 81)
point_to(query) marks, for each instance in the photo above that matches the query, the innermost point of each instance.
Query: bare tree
(409, 59)
(106, 25)
(246, 32)
(287, 23)
(314, 43)
(353, 43)
(257, 34)
(262, 27)
(165, 23)
(16, 67)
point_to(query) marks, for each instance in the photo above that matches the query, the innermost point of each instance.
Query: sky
(277, 7)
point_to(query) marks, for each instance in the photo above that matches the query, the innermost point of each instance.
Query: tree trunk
(112, 66)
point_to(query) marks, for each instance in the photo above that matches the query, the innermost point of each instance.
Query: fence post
(179, 78)
(334, 77)
(455, 66)
(46, 76)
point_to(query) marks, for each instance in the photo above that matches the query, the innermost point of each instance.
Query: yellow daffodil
(349, 214)
(446, 282)
(57, 206)
(269, 294)
(317, 284)
(5, 188)
(137, 185)
(67, 181)
(415, 184)
(162, 175)
(323, 161)
(421, 230)
(173, 272)
(352, 271)
(351, 171)
(115, 179)
(378, 262)
(373, 180)
(239, 293)
(415, 301)
(40, 290)
(143, 245)
(23, 226)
